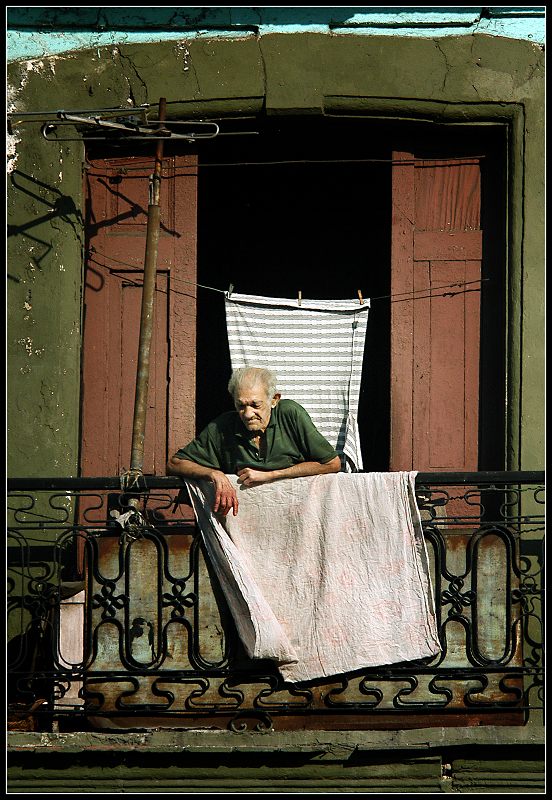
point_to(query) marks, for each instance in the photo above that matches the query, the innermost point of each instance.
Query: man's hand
(225, 494)
(254, 477)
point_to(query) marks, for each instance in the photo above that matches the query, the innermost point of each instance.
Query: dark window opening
(304, 203)
(321, 223)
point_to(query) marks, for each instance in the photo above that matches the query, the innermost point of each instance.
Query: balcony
(117, 628)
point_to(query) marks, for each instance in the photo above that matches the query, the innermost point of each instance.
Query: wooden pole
(147, 312)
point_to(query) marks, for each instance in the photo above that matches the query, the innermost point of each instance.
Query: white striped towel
(316, 350)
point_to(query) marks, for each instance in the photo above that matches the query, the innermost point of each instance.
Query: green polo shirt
(291, 437)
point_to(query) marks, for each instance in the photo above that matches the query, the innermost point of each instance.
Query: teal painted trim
(23, 45)
(35, 32)
(178, 18)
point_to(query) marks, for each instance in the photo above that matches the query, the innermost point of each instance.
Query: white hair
(252, 375)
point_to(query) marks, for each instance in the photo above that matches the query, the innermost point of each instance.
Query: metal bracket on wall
(127, 128)
(117, 125)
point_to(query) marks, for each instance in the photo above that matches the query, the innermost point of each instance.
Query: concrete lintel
(420, 109)
(326, 745)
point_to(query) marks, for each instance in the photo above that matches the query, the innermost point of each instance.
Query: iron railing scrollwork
(107, 630)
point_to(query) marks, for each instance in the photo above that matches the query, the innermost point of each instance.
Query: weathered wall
(44, 267)
(433, 761)
(462, 78)
(477, 72)
(39, 32)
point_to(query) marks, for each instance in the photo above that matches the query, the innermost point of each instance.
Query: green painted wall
(44, 266)
(432, 761)
(457, 79)
(38, 31)
(477, 78)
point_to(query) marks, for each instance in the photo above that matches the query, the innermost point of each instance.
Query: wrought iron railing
(114, 626)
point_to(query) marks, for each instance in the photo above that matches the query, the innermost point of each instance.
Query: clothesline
(371, 299)
(228, 291)
(418, 161)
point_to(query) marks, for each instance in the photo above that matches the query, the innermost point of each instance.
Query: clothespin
(360, 297)
(299, 297)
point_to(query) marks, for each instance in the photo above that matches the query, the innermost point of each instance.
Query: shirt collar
(272, 420)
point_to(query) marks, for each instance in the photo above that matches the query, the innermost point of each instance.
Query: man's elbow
(334, 465)
(172, 465)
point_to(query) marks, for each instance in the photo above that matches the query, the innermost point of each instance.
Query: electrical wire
(419, 162)
(409, 294)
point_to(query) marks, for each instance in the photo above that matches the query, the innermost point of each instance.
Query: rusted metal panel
(152, 606)
(71, 645)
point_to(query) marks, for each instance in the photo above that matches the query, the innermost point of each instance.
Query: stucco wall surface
(478, 78)
(430, 761)
(365, 66)
(37, 33)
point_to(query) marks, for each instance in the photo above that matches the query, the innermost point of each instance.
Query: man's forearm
(225, 494)
(248, 477)
(189, 469)
(306, 468)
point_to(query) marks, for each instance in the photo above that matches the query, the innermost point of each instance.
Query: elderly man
(264, 440)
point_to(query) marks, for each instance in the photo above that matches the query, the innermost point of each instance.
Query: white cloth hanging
(316, 350)
(325, 574)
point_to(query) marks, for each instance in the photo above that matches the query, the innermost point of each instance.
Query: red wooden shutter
(117, 202)
(436, 242)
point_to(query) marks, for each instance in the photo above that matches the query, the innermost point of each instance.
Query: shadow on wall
(55, 206)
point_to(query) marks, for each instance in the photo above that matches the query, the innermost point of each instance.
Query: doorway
(280, 205)
(306, 204)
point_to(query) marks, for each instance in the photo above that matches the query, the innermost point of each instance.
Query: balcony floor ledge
(322, 744)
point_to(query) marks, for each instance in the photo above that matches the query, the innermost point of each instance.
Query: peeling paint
(27, 343)
(34, 66)
(37, 65)
(225, 22)
(12, 140)
(181, 49)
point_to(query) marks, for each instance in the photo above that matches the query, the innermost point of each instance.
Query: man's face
(254, 406)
